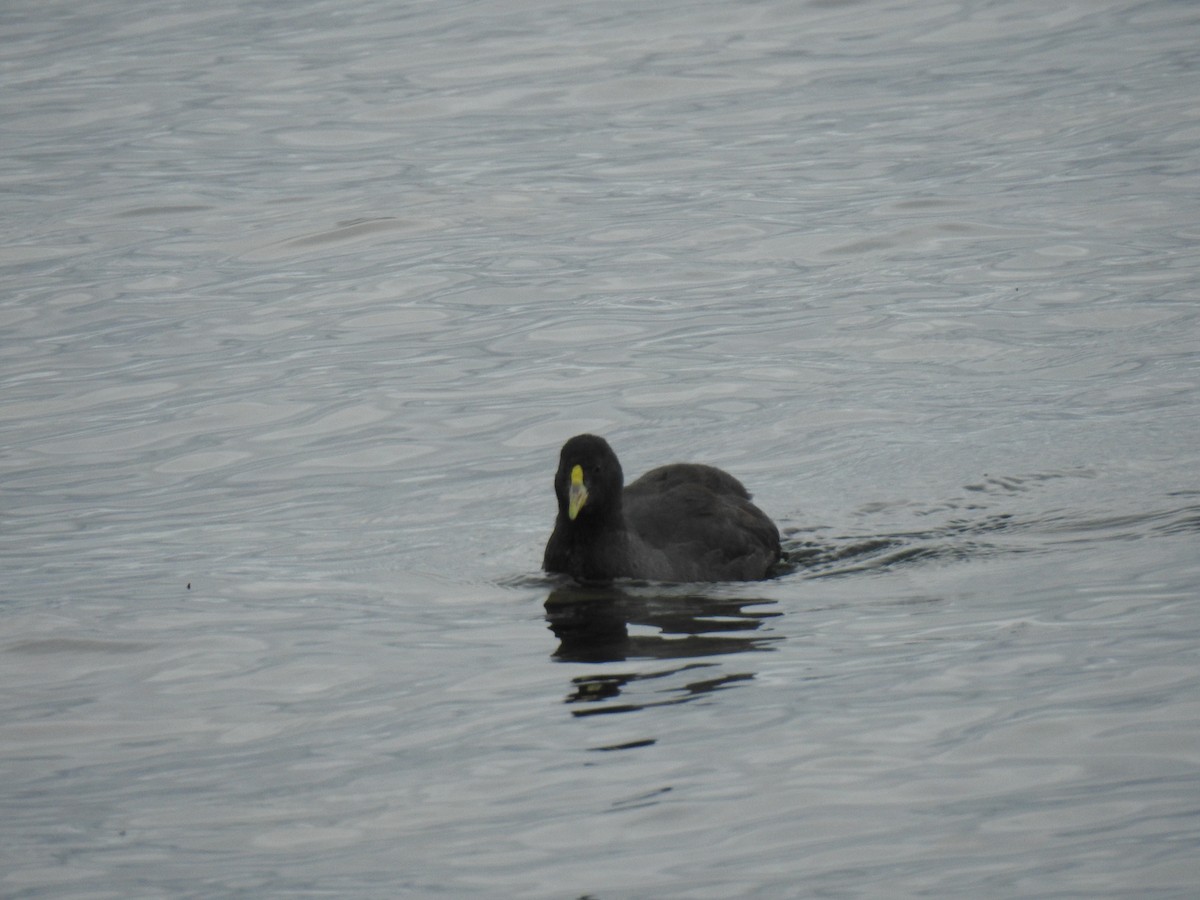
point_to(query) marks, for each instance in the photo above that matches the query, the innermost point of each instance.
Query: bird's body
(680, 522)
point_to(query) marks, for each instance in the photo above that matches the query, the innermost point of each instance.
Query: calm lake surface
(301, 299)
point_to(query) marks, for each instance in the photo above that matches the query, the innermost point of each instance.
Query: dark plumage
(682, 522)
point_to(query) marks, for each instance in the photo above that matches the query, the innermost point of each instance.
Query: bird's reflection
(593, 625)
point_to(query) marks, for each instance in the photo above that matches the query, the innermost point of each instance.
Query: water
(301, 299)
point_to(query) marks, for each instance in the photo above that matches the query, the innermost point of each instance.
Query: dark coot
(682, 522)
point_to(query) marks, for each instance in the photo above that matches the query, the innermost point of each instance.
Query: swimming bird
(680, 522)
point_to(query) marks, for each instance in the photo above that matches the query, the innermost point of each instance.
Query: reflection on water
(592, 624)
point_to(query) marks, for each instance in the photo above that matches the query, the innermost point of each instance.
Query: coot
(681, 522)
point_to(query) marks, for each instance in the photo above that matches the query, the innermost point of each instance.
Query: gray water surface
(300, 301)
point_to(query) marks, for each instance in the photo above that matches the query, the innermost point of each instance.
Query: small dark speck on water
(630, 745)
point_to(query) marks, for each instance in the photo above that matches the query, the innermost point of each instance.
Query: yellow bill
(577, 495)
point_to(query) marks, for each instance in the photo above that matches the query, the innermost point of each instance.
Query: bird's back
(697, 523)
